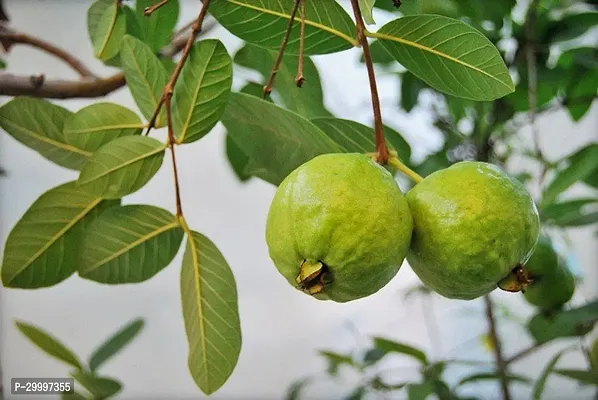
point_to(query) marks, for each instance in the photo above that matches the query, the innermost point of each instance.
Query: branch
(38, 86)
(9, 38)
(150, 10)
(497, 345)
(381, 148)
(283, 46)
(524, 353)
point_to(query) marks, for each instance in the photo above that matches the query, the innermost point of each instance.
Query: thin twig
(300, 79)
(169, 87)
(381, 148)
(497, 346)
(283, 46)
(22, 38)
(171, 144)
(150, 10)
(523, 353)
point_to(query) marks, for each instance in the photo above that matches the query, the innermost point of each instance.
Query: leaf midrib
(105, 128)
(119, 166)
(131, 245)
(383, 36)
(328, 29)
(46, 139)
(54, 238)
(110, 30)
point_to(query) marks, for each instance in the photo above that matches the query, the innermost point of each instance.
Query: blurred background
(283, 330)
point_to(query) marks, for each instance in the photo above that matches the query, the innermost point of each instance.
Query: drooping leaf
(129, 244)
(581, 376)
(122, 166)
(145, 75)
(157, 28)
(571, 213)
(48, 344)
(308, 100)
(110, 29)
(94, 14)
(275, 145)
(410, 88)
(211, 313)
(448, 55)
(582, 164)
(99, 123)
(484, 376)
(570, 323)
(400, 145)
(357, 393)
(202, 90)
(336, 360)
(38, 124)
(366, 11)
(237, 159)
(328, 28)
(350, 136)
(390, 346)
(570, 27)
(133, 24)
(114, 344)
(581, 94)
(43, 247)
(101, 387)
(541, 381)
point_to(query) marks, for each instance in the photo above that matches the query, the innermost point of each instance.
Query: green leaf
(379, 54)
(335, 360)
(157, 28)
(129, 244)
(420, 391)
(582, 164)
(357, 393)
(211, 313)
(571, 213)
(570, 323)
(145, 75)
(122, 166)
(94, 14)
(307, 101)
(581, 94)
(389, 346)
(133, 24)
(275, 145)
(294, 391)
(541, 381)
(38, 124)
(48, 344)
(350, 136)
(571, 26)
(202, 90)
(398, 142)
(583, 377)
(169, 64)
(484, 376)
(410, 88)
(43, 247)
(72, 396)
(237, 159)
(448, 55)
(115, 344)
(328, 28)
(110, 29)
(366, 10)
(99, 123)
(99, 386)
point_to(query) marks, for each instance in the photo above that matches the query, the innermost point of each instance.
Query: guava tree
(182, 83)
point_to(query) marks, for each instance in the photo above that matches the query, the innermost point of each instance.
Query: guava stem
(395, 162)
(312, 276)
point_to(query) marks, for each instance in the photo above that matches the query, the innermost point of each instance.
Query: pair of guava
(339, 228)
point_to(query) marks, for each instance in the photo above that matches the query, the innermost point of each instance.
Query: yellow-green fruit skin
(472, 225)
(553, 283)
(346, 211)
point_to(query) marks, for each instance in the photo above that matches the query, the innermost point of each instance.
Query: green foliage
(111, 27)
(115, 344)
(157, 28)
(574, 322)
(49, 344)
(210, 310)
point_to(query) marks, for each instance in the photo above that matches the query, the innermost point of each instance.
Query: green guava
(339, 227)
(473, 224)
(552, 284)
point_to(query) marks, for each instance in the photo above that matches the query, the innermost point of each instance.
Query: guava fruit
(552, 283)
(473, 224)
(339, 227)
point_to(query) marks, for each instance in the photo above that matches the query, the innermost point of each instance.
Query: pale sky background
(282, 328)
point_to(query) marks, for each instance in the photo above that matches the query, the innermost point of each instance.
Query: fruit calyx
(313, 276)
(517, 281)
